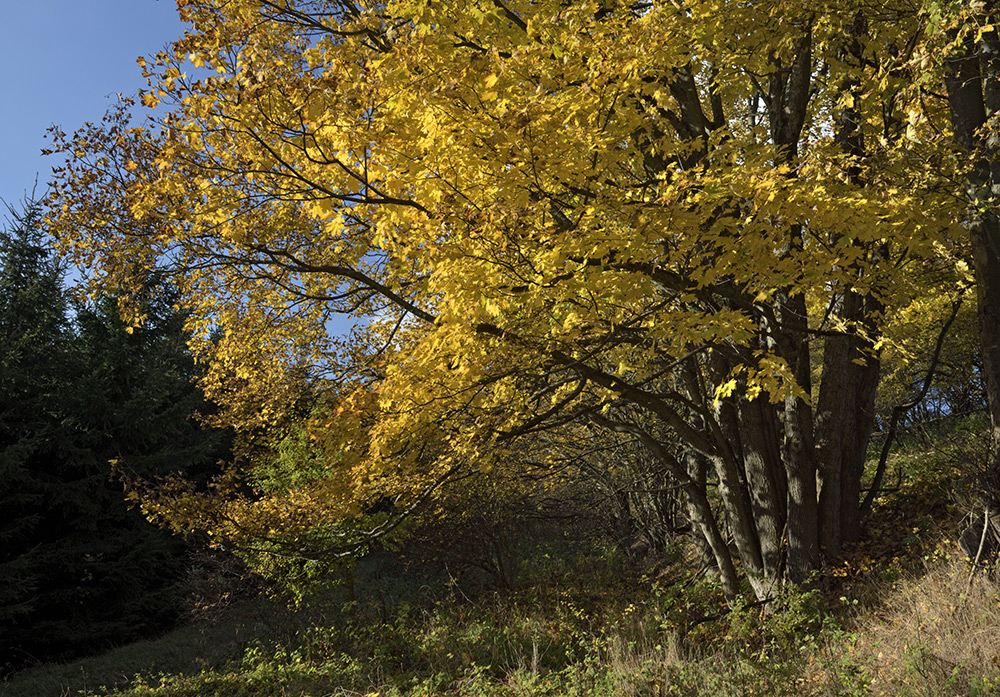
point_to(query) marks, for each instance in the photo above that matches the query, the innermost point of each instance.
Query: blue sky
(64, 63)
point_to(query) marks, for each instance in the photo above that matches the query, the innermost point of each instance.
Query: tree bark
(832, 416)
(973, 84)
(762, 462)
(788, 97)
(845, 416)
(799, 450)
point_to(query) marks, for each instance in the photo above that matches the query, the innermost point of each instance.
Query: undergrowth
(903, 613)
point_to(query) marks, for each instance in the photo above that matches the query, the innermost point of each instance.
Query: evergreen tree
(46, 485)
(79, 568)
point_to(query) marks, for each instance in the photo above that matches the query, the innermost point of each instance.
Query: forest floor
(903, 613)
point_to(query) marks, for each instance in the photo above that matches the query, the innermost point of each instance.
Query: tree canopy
(684, 224)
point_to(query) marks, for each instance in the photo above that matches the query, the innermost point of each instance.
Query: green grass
(902, 615)
(203, 645)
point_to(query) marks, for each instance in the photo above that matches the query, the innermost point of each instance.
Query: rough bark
(767, 489)
(846, 403)
(973, 84)
(786, 102)
(845, 416)
(799, 450)
(986, 253)
(864, 380)
(832, 415)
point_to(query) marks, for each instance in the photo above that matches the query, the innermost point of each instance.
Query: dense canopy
(686, 224)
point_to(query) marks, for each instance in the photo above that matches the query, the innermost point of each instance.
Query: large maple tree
(684, 222)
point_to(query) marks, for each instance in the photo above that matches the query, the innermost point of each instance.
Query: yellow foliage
(530, 209)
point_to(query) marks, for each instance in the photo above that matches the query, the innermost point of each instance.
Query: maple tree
(653, 219)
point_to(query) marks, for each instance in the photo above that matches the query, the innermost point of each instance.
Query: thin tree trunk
(697, 468)
(701, 509)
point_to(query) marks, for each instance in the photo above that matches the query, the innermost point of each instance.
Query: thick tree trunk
(845, 405)
(787, 99)
(985, 236)
(832, 416)
(765, 479)
(973, 84)
(865, 369)
(845, 416)
(798, 450)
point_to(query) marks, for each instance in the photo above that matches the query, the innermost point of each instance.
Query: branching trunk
(702, 514)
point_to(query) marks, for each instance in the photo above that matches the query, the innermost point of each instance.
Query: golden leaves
(494, 198)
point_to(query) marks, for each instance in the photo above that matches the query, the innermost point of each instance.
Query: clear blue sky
(64, 62)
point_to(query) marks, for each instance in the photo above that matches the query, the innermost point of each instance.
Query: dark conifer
(86, 402)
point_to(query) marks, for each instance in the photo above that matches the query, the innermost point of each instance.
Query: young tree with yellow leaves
(648, 218)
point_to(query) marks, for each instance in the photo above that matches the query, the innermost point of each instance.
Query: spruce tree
(81, 394)
(47, 486)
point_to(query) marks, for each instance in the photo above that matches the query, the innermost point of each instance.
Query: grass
(203, 645)
(903, 614)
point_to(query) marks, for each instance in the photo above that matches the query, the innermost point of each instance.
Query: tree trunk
(788, 97)
(832, 414)
(985, 236)
(762, 463)
(973, 84)
(798, 450)
(864, 379)
(845, 416)
(697, 468)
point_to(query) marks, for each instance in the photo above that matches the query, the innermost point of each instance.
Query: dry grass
(933, 633)
(937, 634)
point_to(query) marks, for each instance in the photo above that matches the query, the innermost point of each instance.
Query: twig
(979, 552)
